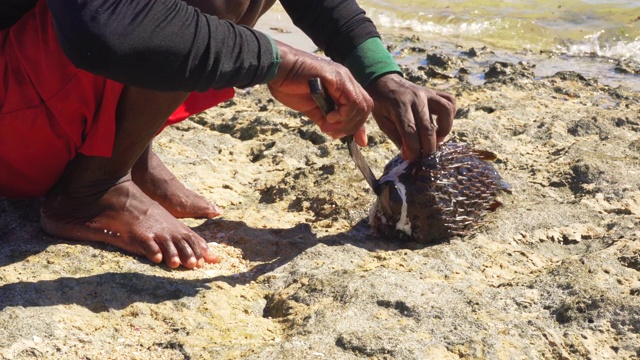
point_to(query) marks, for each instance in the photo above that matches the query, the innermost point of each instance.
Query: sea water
(576, 27)
(587, 36)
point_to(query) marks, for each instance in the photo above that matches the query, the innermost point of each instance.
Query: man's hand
(291, 87)
(415, 118)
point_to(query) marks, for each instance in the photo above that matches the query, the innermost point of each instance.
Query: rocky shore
(553, 274)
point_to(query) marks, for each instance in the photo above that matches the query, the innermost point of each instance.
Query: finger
(410, 136)
(346, 127)
(344, 112)
(347, 119)
(316, 115)
(426, 129)
(354, 105)
(389, 128)
(450, 98)
(403, 152)
(361, 136)
(444, 108)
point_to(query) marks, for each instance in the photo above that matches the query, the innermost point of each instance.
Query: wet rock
(463, 74)
(631, 261)
(635, 145)
(570, 76)
(247, 131)
(443, 61)
(315, 136)
(369, 345)
(628, 123)
(583, 174)
(501, 71)
(627, 67)
(585, 127)
(416, 76)
(412, 49)
(433, 72)
(473, 52)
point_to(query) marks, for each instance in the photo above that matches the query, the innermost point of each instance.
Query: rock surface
(554, 273)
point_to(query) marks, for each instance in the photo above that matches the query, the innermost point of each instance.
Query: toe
(211, 258)
(185, 253)
(169, 252)
(151, 250)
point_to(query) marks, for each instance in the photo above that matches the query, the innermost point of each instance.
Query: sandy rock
(555, 273)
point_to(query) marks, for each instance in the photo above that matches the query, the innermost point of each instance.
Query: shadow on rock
(269, 249)
(20, 232)
(273, 248)
(101, 292)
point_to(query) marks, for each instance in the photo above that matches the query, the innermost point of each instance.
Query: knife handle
(324, 101)
(319, 94)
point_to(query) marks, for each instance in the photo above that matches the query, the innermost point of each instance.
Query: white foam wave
(471, 28)
(593, 46)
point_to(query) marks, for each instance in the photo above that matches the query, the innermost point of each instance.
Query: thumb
(361, 136)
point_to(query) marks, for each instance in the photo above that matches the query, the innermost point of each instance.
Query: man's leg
(155, 180)
(95, 199)
(149, 173)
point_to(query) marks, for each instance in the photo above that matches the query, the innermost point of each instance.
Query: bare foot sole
(120, 214)
(155, 180)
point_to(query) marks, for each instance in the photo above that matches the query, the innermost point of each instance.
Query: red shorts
(50, 110)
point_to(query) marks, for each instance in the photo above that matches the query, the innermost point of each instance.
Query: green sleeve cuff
(275, 63)
(370, 61)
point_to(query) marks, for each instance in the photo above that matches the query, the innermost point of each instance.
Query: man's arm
(161, 45)
(336, 26)
(415, 118)
(168, 45)
(342, 29)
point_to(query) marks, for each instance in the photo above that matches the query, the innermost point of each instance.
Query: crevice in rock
(398, 305)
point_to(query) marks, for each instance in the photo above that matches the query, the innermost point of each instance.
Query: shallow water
(609, 28)
(587, 36)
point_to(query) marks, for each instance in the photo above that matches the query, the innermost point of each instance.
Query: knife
(327, 105)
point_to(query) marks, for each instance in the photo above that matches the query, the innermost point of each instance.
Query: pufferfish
(441, 196)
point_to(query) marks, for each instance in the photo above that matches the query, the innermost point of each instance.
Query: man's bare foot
(153, 177)
(120, 214)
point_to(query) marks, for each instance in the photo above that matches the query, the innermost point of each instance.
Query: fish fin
(485, 154)
(505, 187)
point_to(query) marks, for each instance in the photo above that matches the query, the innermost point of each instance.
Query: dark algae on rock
(438, 197)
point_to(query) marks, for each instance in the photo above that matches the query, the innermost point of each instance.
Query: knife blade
(326, 104)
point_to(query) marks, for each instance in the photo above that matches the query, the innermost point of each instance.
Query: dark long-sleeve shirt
(168, 45)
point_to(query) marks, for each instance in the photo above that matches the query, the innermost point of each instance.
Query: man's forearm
(342, 29)
(336, 26)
